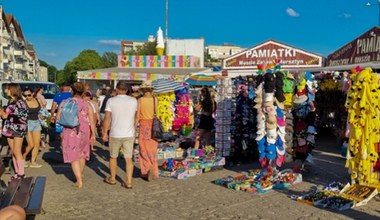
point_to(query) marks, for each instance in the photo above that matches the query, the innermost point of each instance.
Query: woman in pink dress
(76, 142)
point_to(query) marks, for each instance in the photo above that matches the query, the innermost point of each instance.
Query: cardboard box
(360, 194)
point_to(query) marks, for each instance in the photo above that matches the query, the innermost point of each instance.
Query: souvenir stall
(176, 113)
(337, 196)
(260, 180)
(363, 128)
(304, 118)
(332, 90)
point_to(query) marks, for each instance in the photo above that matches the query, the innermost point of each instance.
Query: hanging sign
(269, 51)
(363, 49)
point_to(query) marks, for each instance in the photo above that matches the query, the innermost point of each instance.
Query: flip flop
(126, 185)
(109, 181)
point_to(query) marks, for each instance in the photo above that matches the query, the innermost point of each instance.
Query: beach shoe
(109, 180)
(126, 185)
(35, 165)
(26, 164)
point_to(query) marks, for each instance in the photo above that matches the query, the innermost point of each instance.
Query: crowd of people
(120, 113)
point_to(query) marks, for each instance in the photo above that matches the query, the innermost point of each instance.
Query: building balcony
(19, 66)
(18, 52)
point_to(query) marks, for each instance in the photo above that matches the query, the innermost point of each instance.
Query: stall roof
(373, 65)
(163, 71)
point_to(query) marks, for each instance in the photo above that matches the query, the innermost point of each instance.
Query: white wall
(194, 47)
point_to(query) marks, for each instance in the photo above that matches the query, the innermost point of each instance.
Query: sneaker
(26, 164)
(35, 165)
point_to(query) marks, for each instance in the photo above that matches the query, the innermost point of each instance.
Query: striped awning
(202, 80)
(166, 85)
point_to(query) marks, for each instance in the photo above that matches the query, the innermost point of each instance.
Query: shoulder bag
(157, 129)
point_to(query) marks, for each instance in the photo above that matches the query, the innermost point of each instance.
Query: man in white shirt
(120, 113)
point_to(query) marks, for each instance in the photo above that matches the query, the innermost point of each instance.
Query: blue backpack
(69, 114)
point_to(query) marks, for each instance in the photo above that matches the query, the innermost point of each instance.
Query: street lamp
(372, 4)
(167, 20)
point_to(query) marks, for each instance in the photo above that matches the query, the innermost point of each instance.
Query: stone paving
(194, 198)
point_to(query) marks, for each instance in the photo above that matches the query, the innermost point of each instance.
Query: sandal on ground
(109, 181)
(35, 165)
(150, 175)
(126, 185)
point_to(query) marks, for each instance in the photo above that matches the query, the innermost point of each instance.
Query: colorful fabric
(147, 149)
(16, 124)
(76, 141)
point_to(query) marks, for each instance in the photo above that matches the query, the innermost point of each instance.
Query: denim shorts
(34, 125)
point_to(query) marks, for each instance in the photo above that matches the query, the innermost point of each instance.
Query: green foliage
(148, 48)
(110, 59)
(86, 60)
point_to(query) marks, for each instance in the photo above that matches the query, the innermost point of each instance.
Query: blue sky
(59, 30)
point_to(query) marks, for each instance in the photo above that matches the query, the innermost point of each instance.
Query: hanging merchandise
(223, 116)
(166, 109)
(271, 120)
(304, 117)
(183, 120)
(363, 127)
(243, 146)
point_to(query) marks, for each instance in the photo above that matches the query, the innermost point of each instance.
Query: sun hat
(280, 147)
(279, 112)
(301, 141)
(269, 82)
(146, 84)
(279, 94)
(270, 151)
(281, 130)
(289, 128)
(311, 129)
(299, 99)
(281, 122)
(280, 104)
(268, 97)
(290, 75)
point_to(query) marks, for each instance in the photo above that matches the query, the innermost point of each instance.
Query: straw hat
(146, 84)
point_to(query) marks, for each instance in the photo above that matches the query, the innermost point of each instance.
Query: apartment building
(219, 52)
(18, 60)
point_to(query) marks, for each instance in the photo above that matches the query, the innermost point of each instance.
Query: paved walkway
(194, 198)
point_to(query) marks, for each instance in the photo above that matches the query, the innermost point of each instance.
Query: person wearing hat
(148, 146)
(206, 122)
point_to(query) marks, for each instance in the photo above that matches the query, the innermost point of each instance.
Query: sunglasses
(27, 95)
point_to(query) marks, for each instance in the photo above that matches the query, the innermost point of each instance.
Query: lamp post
(167, 20)
(372, 4)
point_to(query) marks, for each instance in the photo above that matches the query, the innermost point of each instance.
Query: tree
(148, 48)
(86, 60)
(110, 59)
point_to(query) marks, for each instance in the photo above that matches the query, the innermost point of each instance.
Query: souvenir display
(363, 127)
(260, 180)
(197, 161)
(338, 196)
(223, 117)
(243, 126)
(304, 117)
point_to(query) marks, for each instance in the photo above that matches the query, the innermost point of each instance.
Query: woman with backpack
(15, 126)
(34, 128)
(76, 141)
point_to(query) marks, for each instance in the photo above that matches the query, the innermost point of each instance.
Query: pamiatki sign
(365, 48)
(269, 51)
